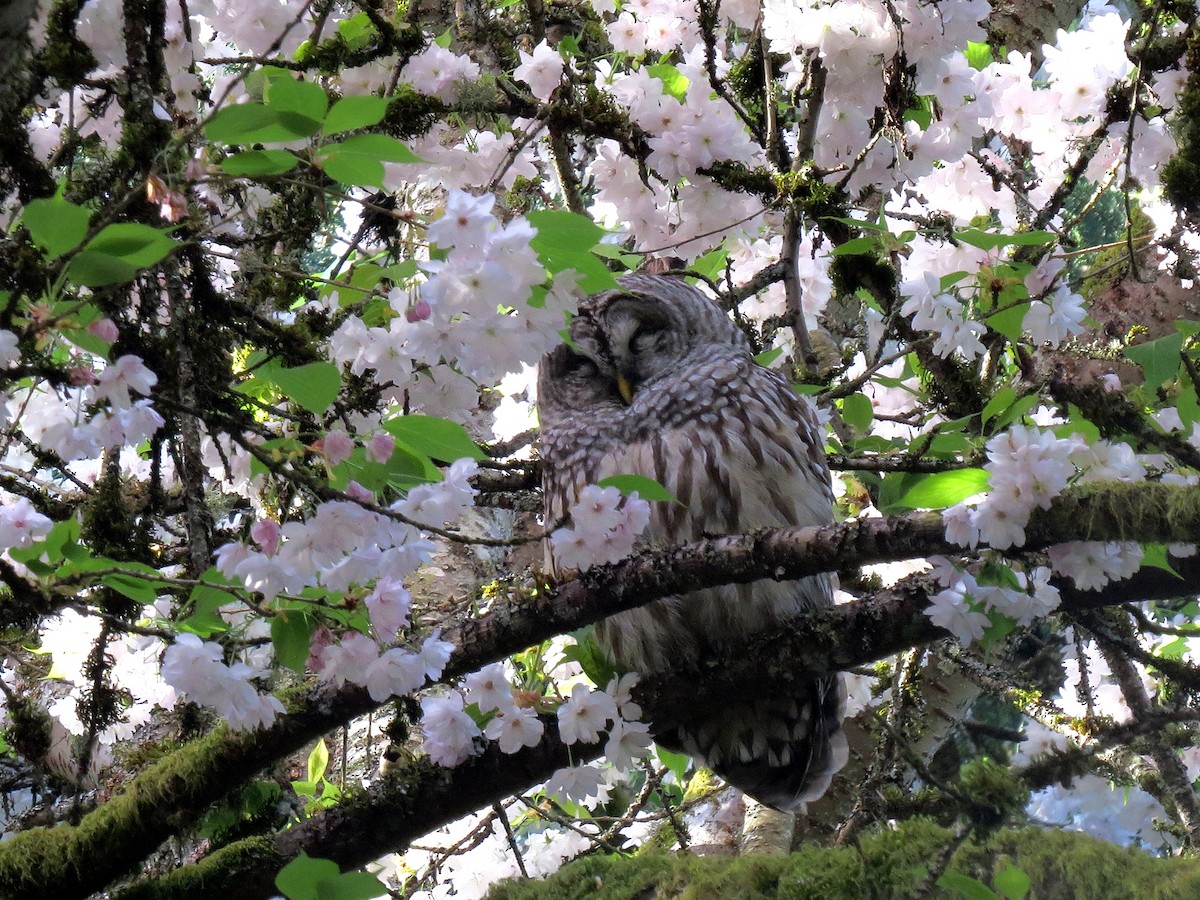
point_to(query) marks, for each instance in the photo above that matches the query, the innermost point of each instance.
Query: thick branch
(385, 818)
(72, 861)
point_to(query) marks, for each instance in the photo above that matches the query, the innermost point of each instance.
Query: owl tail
(782, 751)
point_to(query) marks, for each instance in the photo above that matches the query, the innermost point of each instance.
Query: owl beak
(625, 388)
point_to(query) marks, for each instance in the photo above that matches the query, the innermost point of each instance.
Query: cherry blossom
(449, 731)
(127, 373)
(585, 715)
(514, 728)
(542, 70)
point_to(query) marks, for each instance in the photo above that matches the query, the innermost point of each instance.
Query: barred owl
(660, 382)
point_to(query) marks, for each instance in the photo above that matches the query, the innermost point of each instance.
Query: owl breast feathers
(661, 383)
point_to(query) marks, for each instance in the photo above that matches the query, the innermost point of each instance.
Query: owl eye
(646, 337)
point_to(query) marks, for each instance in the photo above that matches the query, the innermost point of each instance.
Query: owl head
(569, 381)
(648, 327)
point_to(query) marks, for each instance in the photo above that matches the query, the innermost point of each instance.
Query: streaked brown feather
(742, 451)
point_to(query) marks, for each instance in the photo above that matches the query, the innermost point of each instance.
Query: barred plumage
(741, 451)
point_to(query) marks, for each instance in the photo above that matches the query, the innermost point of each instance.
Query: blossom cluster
(604, 529)
(119, 421)
(196, 669)
(1027, 468)
(344, 543)
(471, 317)
(959, 606)
(385, 673)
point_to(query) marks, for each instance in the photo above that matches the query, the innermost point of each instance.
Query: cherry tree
(274, 281)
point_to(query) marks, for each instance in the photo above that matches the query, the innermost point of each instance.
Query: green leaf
(922, 113)
(768, 356)
(1159, 359)
(314, 386)
(137, 244)
(353, 169)
(437, 438)
(979, 55)
(359, 160)
(118, 253)
(350, 113)
(986, 240)
(857, 412)
(712, 264)
(647, 488)
(1032, 238)
(255, 123)
(144, 592)
(971, 888)
(586, 651)
(204, 619)
(302, 99)
(318, 761)
(291, 633)
(1019, 409)
(1155, 556)
(259, 162)
(564, 240)
(944, 489)
(878, 227)
(855, 246)
(1187, 327)
(677, 762)
(56, 225)
(298, 880)
(949, 443)
(999, 627)
(352, 886)
(892, 489)
(1011, 883)
(53, 545)
(1001, 400)
(1009, 322)
(674, 82)
(357, 31)
(999, 574)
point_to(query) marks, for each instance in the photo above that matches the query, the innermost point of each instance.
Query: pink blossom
(396, 672)
(449, 731)
(127, 373)
(380, 447)
(349, 660)
(514, 728)
(336, 446)
(388, 605)
(489, 688)
(585, 715)
(105, 329)
(542, 70)
(267, 534)
(21, 524)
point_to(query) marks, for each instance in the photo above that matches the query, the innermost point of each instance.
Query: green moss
(189, 881)
(33, 859)
(994, 790)
(65, 58)
(887, 863)
(1181, 176)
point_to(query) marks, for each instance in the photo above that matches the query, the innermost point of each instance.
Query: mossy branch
(68, 861)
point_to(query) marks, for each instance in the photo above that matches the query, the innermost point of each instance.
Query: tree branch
(69, 861)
